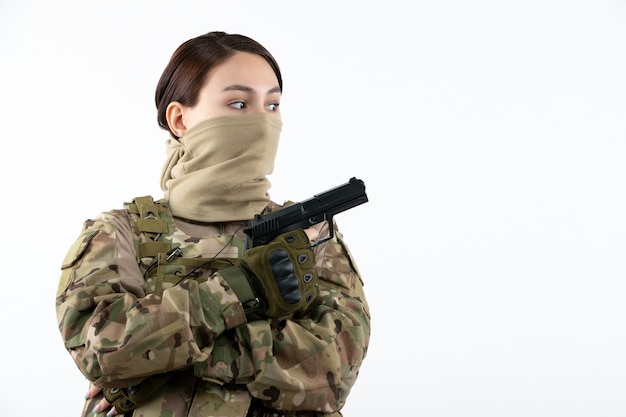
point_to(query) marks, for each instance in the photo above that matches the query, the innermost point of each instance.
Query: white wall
(491, 136)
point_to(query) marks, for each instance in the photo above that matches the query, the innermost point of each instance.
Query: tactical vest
(164, 260)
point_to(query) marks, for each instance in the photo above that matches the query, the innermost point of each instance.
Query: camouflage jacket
(125, 314)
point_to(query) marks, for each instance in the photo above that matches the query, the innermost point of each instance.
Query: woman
(164, 306)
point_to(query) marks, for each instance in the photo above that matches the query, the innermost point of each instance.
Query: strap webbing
(152, 249)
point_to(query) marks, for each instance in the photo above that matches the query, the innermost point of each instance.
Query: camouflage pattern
(181, 318)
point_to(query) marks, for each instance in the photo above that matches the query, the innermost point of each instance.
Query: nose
(261, 107)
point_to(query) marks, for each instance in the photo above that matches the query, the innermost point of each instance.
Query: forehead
(243, 68)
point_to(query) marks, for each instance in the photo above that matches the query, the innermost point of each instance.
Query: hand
(103, 405)
(123, 400)
(276, 279)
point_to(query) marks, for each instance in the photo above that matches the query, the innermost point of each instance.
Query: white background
(491, 137)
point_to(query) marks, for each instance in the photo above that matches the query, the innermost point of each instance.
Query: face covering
(217, 171)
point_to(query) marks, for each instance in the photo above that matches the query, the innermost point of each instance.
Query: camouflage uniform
(126, 312)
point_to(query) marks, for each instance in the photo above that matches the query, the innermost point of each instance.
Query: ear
(174, 115)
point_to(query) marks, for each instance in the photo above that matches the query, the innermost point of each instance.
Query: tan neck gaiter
(217, 171)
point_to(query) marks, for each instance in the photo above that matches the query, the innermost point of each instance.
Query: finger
(113, 412)
(92, 391)
(312, 234)
(103, 405)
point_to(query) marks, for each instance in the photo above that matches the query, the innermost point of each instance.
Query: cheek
(199, 114)
(275, 114)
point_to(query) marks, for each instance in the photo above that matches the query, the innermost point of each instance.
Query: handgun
(321, 207)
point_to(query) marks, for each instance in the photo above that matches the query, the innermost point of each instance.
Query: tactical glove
(127, 399)
(276, 279)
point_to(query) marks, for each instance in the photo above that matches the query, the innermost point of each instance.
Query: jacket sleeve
(115, 333)
(302, 363)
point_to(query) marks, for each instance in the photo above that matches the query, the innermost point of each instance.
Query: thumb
(312, 233)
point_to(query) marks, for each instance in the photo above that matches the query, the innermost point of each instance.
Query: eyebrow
(244, 88)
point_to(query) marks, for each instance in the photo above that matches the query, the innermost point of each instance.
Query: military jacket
(129, 308)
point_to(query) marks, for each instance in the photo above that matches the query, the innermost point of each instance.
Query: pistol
(321, 207)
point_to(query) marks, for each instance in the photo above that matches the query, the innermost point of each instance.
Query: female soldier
(162, 304)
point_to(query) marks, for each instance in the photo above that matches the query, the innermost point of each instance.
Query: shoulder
(110, 226)
(272, 205)
(112, 219)
(139, 207)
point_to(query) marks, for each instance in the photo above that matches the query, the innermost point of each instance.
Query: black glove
(127, 399)
(276, 279)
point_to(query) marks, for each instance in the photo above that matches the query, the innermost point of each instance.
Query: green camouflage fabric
(126, 311)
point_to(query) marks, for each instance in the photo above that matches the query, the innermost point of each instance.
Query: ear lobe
(174, 116)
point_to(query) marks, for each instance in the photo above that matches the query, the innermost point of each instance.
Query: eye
(273, 106)
(238, 105)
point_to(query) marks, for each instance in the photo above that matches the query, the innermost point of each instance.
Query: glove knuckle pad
(281, 264)
(277, 255)
(281, 274)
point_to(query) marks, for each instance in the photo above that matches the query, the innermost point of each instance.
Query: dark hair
(188, 67)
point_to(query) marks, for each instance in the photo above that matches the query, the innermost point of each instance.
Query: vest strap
(151, 249)
(153, 221)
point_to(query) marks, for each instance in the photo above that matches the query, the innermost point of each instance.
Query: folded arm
(116, 333)
(308, 361)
